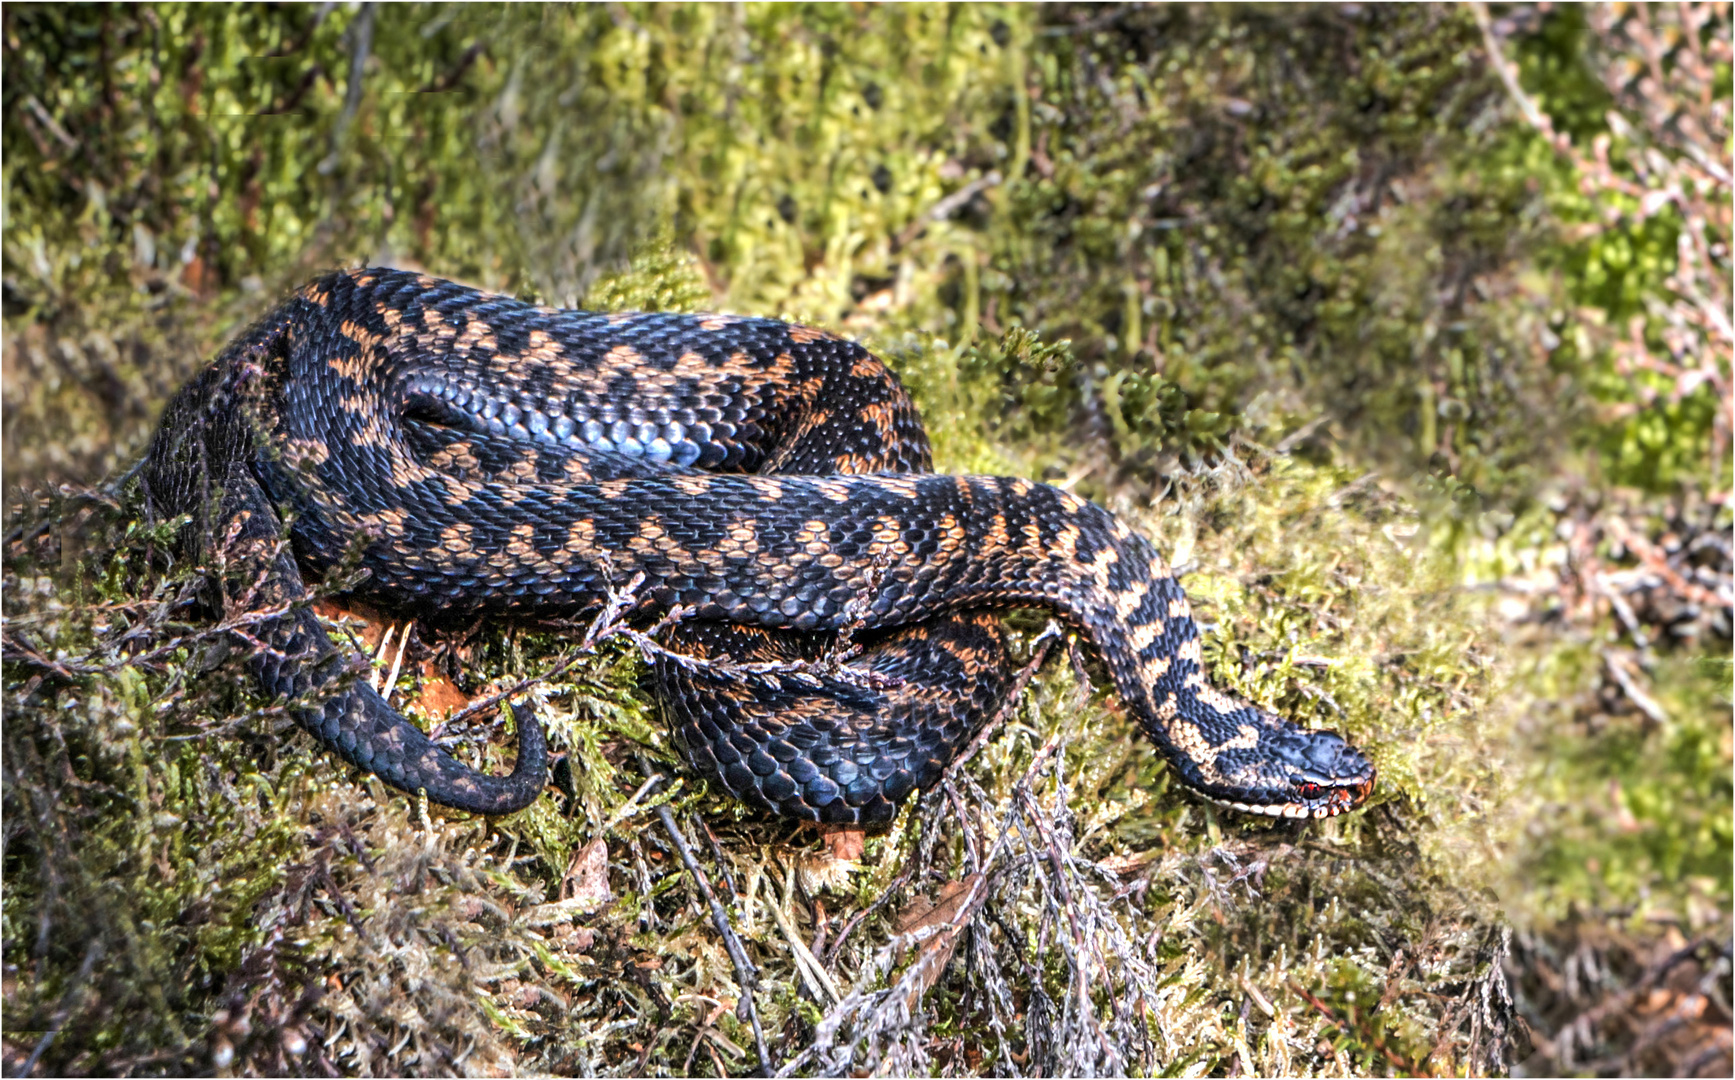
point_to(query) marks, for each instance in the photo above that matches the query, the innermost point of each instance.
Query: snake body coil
(483, 455)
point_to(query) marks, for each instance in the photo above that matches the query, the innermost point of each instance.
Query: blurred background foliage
(1401, 322)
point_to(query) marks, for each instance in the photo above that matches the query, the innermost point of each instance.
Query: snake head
(1293, 773)
(1327, 776)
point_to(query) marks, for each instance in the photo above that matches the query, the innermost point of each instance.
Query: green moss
(1272, 247)
(135, 846)
(1638, 818)
(1615, 258)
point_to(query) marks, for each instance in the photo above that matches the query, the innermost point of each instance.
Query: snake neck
(1118, 590)
(1111, 583)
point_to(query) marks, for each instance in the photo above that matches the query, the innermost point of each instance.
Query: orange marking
(1066, 543)
(389, 522)
(457, 538)
(1128, 602)
(884, 417)
(807, 335)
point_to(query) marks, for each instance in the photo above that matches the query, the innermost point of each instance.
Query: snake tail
(202, 460)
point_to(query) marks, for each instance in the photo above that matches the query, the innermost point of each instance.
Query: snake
(762, 490)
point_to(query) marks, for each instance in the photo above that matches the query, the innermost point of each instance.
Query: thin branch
(745, 975)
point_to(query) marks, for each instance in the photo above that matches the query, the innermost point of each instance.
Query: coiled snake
(483, 455)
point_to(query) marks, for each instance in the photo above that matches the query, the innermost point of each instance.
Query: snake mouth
(1318, 776)
(1312, 799)
(1321, 801)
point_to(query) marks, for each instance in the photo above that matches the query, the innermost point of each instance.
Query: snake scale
(478, 455)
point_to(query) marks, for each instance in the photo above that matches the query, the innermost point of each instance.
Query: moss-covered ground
(1411, 388)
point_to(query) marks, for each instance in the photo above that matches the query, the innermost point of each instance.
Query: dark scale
(488, 456)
